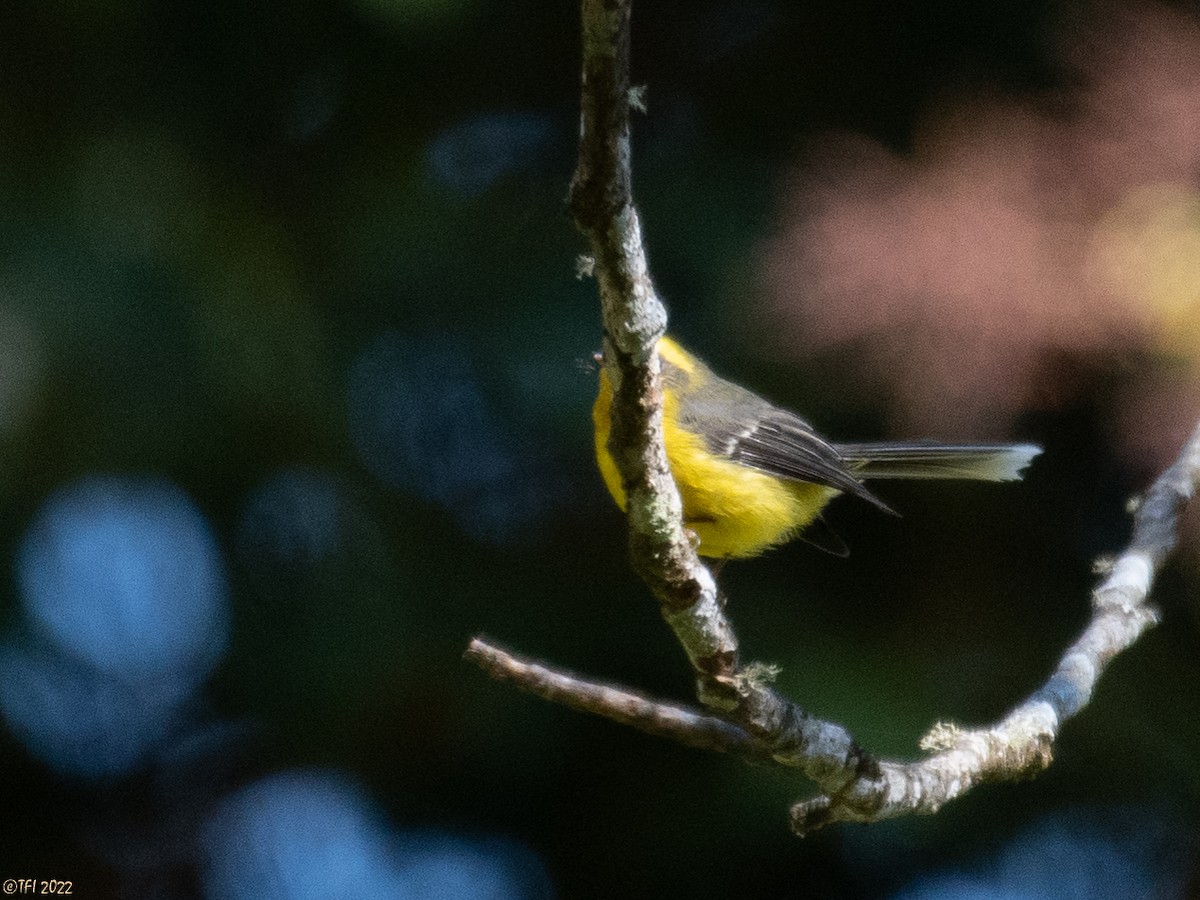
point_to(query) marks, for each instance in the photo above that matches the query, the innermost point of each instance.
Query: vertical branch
(602, 188)
(634, 319)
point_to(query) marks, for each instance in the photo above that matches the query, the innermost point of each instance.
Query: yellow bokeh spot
(1146, 250)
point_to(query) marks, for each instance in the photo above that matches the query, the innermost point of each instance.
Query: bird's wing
(769, 439)
(781, 443)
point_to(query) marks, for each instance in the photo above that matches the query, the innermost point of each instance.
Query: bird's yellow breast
(735, 510)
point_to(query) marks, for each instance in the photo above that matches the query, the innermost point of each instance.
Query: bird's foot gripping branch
(742, 714)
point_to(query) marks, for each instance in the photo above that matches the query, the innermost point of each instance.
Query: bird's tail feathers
(976, 462)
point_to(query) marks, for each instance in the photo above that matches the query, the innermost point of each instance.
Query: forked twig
(746, 716)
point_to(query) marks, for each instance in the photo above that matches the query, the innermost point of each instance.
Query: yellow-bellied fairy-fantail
(752, 475)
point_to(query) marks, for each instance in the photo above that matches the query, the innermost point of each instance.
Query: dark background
(295, 385)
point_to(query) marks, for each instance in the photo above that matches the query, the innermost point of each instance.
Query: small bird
(752, 476)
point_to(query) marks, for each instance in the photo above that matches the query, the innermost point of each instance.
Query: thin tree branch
(634, 318)
(621, 705)
(1021, 744)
